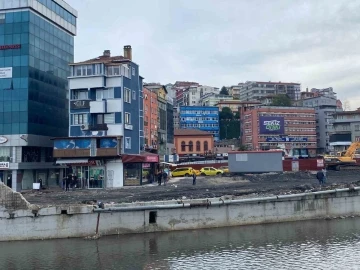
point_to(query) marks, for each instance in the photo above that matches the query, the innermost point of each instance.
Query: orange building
(193, 141)
(269, 127)
(150, 119)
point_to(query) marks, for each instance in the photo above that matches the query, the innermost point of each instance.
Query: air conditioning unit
(84, 127)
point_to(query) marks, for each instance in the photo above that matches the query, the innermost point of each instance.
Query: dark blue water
(333, 244)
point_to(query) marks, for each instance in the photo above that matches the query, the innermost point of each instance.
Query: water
(333, 244)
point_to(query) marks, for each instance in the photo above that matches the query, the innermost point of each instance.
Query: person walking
(159, 176)
(165, 177)
(194, 178)
(68, 182)
(320, 177)
(324, 178)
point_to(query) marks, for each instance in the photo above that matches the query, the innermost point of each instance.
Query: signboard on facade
(152, 158)
(10, 47)
(129, 127)
(3, 139)
(4, 165)
(80, 104)
(286, 139)
(271, 125)
(357, 138)
(5, 72)
(295, 166)
(320, 163)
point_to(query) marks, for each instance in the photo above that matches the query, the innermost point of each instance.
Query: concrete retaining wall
(81, 221)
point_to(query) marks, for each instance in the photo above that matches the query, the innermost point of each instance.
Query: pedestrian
(40, 182)
(325, 178)
(68, 182)
(165, 177)
(194, 178)
(320, 177)
(159, 176)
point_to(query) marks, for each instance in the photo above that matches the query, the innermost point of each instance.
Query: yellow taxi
(184, 171)
(225, 169)
(210, 171)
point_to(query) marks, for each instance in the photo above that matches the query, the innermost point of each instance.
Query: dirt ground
(206, 187)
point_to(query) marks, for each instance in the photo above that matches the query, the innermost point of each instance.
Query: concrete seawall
(24, 221)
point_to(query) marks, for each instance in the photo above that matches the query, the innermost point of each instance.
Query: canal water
(323, 244)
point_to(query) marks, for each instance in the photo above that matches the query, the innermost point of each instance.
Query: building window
(198, 146)
(79, 95)
(2, 18)
(127, 118)
(206, 146)
(191, 146)
(127, 143)
(133, 71)
(79, 119)
(104, 93)
(109, 118)
(182, 146)
(127, 95)
(77, 71)
(134, 95)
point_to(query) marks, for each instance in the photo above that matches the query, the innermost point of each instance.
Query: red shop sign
(152, 159)
(10, 47)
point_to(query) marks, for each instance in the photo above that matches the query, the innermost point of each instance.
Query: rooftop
(283, 83)
(191, 132)
(107, 59)
(237, 102)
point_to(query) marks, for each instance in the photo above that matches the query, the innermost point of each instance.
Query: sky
(224, 42)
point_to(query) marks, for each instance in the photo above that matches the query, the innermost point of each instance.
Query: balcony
(98, 106)
(79, 104)
(98, 127)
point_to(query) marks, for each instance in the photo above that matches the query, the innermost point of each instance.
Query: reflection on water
(299, 245)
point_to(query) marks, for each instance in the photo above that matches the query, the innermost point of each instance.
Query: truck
(344, 159)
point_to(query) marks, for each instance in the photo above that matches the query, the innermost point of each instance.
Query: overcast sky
(224, 42)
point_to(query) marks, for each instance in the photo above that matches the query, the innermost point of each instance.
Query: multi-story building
(150, 120)
(106, 123)
(161, 92)
(212, 99)
(234, 91)
(234, 105)
(170, 125)
(195, 93)
(325, 107)
(190, 142)
(37, 44)
(253, 90)
(176, 117)
(346, 129)
(201, 118)
(327, 92)
(268, 127)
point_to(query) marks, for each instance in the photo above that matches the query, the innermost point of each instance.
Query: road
(206, 187)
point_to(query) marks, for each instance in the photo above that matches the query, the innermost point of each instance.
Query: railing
(97, 127)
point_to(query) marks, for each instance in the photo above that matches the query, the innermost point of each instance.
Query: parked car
(225, 169)
(184, 171)
(210, 171)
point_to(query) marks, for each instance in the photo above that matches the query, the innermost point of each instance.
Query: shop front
(84, 173)
(140, 169)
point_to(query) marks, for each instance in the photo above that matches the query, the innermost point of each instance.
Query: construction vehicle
(344, 159)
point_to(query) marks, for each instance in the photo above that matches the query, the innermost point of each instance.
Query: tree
(237, 115)
(281, 100)
(243, 147)
(226, 114)
(224, 91)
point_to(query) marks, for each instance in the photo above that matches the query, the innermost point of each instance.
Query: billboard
(6, 73)
(272, 125)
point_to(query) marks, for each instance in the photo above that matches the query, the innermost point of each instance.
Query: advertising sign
(286, 139)
(271, 125)
(4, 165)
(3, 139)
(6, 73)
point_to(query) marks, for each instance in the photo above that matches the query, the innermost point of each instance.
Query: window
(134, 95)
(79, 95)
(2, 18)
(198, 146)
(182, 146)
(89, 70)
(79, 119)
(128, 118)
(104, 93)
(133, 71)
(77, 71)
(206, 146)
(109, 118)
(191, 148)
(127, 95)
(127, 143)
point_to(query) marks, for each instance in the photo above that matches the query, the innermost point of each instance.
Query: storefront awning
(72, 161)
(169, 164)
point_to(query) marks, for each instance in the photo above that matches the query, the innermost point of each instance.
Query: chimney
(307, 89)
(107, 53)
(128, 52)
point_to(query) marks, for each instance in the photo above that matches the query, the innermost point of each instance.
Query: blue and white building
(105, 121)
(200, 117)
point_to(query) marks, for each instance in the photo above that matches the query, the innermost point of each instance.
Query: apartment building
(212, 99)
(254, 90)
(195, 93)
(150, 120)
(268, 127)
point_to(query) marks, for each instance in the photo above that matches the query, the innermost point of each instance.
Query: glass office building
(36, 47)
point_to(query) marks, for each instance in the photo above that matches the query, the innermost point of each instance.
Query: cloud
(225, 42)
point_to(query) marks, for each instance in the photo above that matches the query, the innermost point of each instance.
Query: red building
(269, 127)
